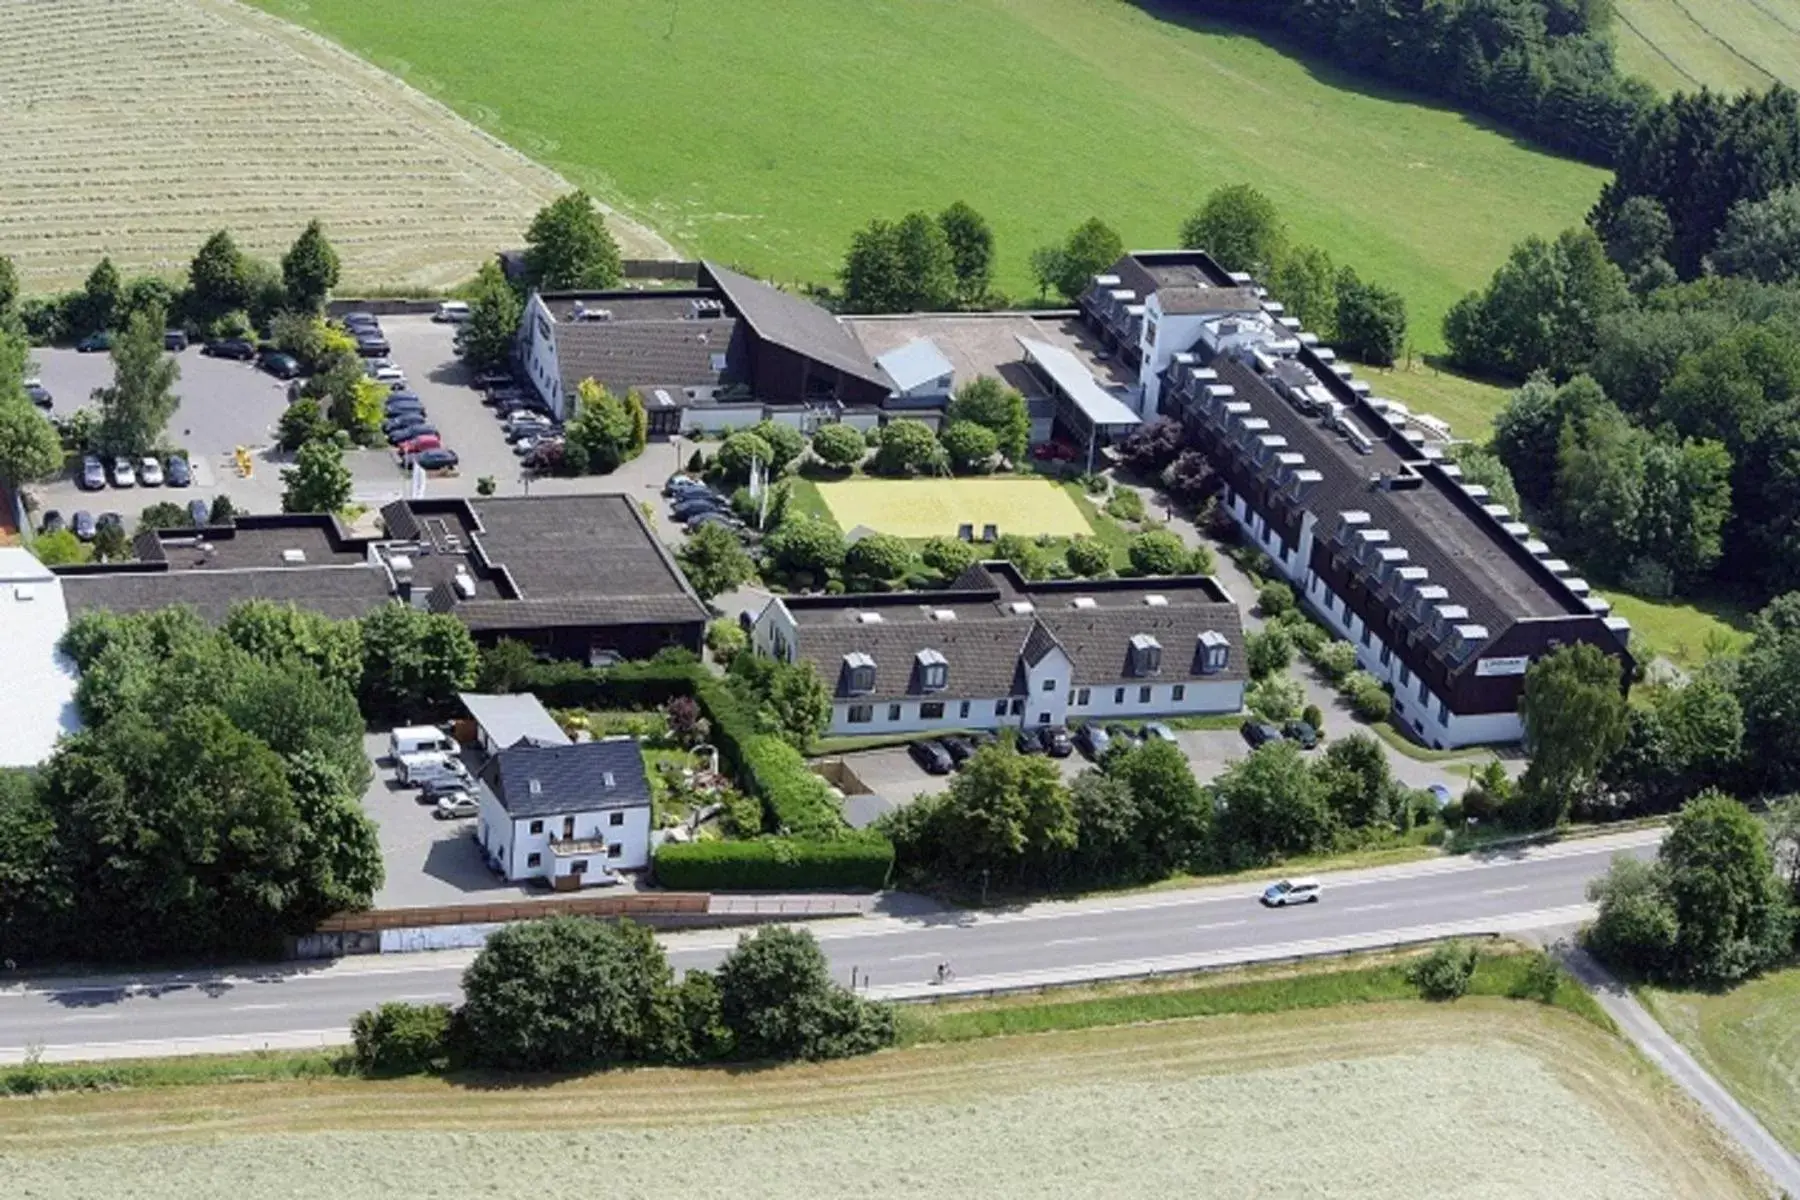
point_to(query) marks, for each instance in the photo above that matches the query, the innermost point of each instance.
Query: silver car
(454, 805)
(150, 473)
(123, 473)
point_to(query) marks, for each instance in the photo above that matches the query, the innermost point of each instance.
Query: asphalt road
(312, 1004)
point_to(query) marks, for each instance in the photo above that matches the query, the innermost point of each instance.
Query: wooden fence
(631, 904)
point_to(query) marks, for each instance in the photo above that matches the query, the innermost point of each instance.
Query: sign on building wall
(1502, 666)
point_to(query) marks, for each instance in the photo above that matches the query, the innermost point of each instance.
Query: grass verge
(1687, 631)
(1748, 1038)
(1386, 732)
(1470, 405)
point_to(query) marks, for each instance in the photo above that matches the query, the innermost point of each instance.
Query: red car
(1053, 452)
(428, 441)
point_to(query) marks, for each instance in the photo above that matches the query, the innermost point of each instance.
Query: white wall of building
(537, 339)
(515, 841)
(1163, 337)
(1071, 702)
(718, 418)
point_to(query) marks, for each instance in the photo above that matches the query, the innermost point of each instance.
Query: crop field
(137, 128)
(1749, 1038)
(764, 132)
(1478, 1100)
(1730, 45)
(922, 508)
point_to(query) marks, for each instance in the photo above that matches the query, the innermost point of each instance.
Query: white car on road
(1291, 891)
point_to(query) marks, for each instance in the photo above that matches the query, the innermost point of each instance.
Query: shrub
(739, 451)
(1276, 698)
(1268, 652)
(1275, 599)
(879, 556)
(1541, 979)
(1368, 699)
(777, 998)
(1125, 505)
(839, 446)
(947, 556)
(1159, 552)
(1335, 660)
(1088, 558)
(1444, 973)
(726, 639)
(401, 1039)
(1312, 716)
(1307, 637)
(862, 860)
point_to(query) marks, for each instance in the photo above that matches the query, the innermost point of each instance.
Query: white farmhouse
(569, 815)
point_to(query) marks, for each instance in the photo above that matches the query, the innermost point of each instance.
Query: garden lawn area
(922, 508)
(764, 132)
(1468, 404)
(1749, 1038)
(1681, 629)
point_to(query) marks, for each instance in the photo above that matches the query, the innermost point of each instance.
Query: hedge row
(776, 864)
(630, 685)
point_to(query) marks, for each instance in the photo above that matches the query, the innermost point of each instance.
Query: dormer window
(859, 671)
(1146, 655)
(1215, 652)
(934, 671)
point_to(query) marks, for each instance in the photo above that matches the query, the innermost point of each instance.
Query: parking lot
(894, 779)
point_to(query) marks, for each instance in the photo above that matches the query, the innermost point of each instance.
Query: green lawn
(763, 132)
(1728, 45)
(1749, 1038)
(1686, 631)
(1468, 404)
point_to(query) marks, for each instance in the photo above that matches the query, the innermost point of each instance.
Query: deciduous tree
(1239, 227)
(881, 557)
(309, 270)
(414, 662)
(971, 447)
(318, 482)
(947, 556)
(1574, 710)
(714, 561)
(907, 446)
(840, 446)
(141, 399)
(568, 246)
(990, 403)
(971, 252)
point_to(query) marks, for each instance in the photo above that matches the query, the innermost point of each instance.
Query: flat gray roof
(508, 720)
(1078, 384)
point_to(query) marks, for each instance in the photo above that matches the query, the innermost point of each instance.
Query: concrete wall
(537, 343)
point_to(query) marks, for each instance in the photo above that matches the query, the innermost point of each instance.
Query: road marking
(1517, 887)
(1224, 924)
(1366, 908)
(913, 957)
(93, 1016)
(1078, 941)
(255, 1007)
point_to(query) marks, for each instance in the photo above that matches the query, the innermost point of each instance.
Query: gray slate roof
(622, 355)
(338, 592)
(795, 323)
(511, 719)
(1189, 300)
(554, 781)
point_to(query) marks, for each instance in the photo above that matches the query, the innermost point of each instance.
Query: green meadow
(763, 132)
(1728, 45)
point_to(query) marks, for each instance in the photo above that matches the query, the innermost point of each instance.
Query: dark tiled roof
(622, 355)
(339, 592)
(551, 781)
(1040, 643)
(795, 323)
(1098, 640)
(983, 655)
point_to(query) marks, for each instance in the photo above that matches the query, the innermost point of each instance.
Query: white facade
(537, 344)
(1163, 336)
(39, 679)
(561, 848)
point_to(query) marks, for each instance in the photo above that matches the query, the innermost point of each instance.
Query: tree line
(212, 803)
(1543, 67)
(574, 994)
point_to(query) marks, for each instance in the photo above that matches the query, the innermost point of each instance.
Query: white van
(419, 739)
(451, 312)
(415, 769)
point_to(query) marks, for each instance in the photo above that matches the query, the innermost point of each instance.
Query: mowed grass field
(1749, 1038)
(1730, 45)
(137, 128)
(764, 132)
(922, 508)
(1481, 1099)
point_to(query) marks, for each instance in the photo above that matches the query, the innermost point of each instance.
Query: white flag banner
(418, 481)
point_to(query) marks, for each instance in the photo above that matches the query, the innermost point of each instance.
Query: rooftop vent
(1021, 607)
(868, 618)
(537, 787)
(943, 614)
(293, 556)
(1156, 601)
(608, 779)
(1083, 602)
(402, 566)
(465, 584)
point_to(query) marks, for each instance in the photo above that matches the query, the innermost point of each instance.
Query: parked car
(1291, 891)
(493, 379)
(95, 342)
(110, 520)
(150, 472)
(932, 758)
(451, 312)
(959, 748)
(1123, 735)
(391, 375)
(52, 522)
(82, 524)
(242, 349)
(436, 460)
(1300, 732)
(1055, 741)
(683, 483)
(38, 394)
(724, 519)
(526, 446)
(177, 471)
(123, 474)
(422, 443)
(407, 431)
(175, 340)
(93, 475)
(699, 506)
(281, 366)
(1092, 740)
(1259, 733)
(199, 514)
(399, 408)
(373, 345)
(454, 805)
(1156, 731)
(1053, 452)
(503, 393)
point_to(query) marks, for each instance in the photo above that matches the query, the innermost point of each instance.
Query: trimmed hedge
(797, 803)
(776, 864)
